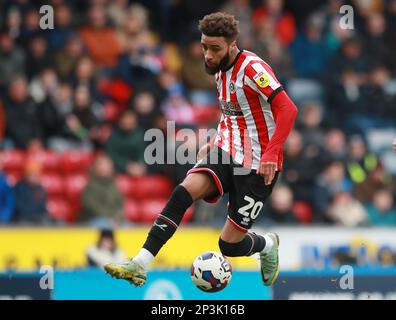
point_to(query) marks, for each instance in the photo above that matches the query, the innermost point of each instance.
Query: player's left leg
(247, 198)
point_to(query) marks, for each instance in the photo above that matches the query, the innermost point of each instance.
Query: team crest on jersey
(232, 86)
(261, 79)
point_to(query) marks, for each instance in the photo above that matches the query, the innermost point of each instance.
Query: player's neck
(233, 57)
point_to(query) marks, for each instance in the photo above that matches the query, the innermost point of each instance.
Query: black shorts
(247, 190)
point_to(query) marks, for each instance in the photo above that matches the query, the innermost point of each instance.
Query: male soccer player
(244, 158)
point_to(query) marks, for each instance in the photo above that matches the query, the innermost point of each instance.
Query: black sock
(168, 220)
(251, 244)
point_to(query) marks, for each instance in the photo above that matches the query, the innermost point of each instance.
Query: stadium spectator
(381, 210)
(280, 207)
(22, 119)
(346, 211)
(243, 12)
(12, 59)
(386, 257)
(38, 56)
(63, 27)
(376, 180)
(142, 57)
(2, 124)
(13, 23)
(332, 181)
(359, 162)
(144, 104)
(177, 108)
(335, 145)
(30, 26)
(300, 168)
(82, 123)
(126, 145)
(104, 251)
(7, 199)
(283, 21)
(348, 99)
(309, 51)
(376, 47)
(198, 83)
(66, 58)
(100, 39)
(268, 46)
(30, 197)
(44, 90)
(310, 126)
(349, 57)
(102, 202)
(381, 99)
(84, 75)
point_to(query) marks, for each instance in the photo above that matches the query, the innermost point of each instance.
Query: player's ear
(233, 44)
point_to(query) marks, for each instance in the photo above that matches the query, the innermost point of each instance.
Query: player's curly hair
(219, 24)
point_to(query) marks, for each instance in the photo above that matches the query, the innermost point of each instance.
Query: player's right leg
(197, 185)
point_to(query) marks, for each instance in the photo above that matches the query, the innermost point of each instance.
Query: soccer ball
(211, 271)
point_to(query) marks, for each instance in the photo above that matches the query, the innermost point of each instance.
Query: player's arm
(394, 145)
(262, 80)
(286, 114)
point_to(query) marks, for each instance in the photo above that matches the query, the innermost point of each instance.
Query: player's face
(216, 52)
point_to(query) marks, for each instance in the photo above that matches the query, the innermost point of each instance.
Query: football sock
(143, 258)
(268, 243)
(168, 220)
(251, 244)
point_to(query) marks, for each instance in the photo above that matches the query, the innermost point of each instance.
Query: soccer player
(244, 158)
(394, 145)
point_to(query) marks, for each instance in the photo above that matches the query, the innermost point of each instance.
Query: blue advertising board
(161, 285)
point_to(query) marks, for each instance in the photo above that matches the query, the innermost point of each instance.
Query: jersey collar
(233, 63)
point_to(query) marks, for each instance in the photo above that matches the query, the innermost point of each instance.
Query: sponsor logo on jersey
(261, 79)
(230, 108)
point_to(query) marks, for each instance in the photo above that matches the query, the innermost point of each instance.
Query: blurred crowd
(110, 70)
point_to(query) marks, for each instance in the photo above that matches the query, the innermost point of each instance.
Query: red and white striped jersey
(245, 92)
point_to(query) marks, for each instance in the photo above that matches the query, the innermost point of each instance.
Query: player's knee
(230, 249)
(198, 185)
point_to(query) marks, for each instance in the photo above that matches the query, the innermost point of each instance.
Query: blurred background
(76, 100)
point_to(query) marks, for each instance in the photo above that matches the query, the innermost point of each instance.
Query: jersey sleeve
(260, 78)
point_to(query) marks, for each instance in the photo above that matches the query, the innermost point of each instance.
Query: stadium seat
(76, 161)
(60, 209)
(131, 210)
(303, 211)
(52, 183)
(152, 187)
(50, 160)
(75, 184)
(151, 208)
(126, 185)
(14, 160)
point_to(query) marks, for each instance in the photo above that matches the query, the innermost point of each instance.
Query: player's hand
(267, 170)
(394, 145)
